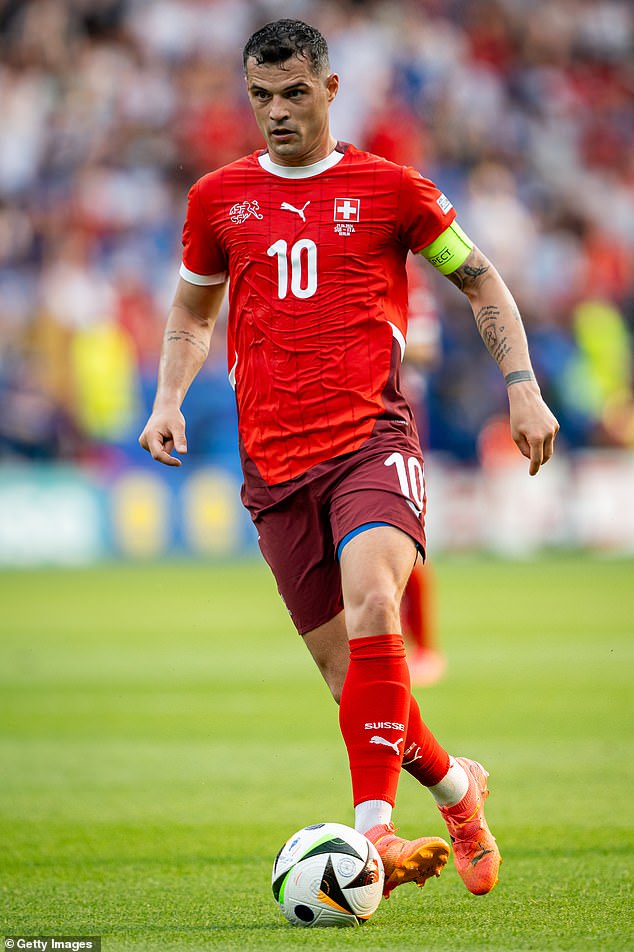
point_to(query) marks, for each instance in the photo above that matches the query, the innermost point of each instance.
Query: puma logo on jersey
(285, 206)
(376, 739)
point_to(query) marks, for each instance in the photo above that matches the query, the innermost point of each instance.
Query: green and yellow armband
(449, 250)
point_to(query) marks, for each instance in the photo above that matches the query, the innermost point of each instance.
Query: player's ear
(332, 86)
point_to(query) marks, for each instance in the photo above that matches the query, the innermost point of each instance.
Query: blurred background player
(419, 618)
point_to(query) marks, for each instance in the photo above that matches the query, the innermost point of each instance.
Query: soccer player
(311, 235)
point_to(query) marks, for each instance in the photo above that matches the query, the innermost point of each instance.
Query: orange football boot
(407, 861)
(476, 854)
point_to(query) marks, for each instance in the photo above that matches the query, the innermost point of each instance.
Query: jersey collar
(300, 171)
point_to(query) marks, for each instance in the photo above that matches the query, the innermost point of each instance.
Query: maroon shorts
(302, 522)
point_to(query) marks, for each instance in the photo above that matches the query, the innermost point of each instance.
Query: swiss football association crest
(243, 210)
(347, 209)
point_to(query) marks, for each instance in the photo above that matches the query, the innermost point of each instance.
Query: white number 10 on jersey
(410, 477)
(303, 267)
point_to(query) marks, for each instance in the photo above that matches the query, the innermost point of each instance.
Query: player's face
(291, 107)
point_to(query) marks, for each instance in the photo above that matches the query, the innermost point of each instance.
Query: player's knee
(375, 611)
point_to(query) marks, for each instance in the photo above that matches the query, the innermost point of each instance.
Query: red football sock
(373, 714)
(423, 757)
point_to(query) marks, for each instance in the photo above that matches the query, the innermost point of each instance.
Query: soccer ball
(327, 875)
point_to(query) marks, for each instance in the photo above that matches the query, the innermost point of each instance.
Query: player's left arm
(498, 320)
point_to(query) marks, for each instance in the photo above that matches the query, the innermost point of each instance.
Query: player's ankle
(372, 813)
(453, 787)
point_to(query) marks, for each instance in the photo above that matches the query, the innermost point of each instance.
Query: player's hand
(164, 432)
(533, 426)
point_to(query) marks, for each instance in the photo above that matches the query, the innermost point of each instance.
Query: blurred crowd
(520, 110)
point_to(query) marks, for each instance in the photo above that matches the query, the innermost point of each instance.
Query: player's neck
(300, 171)
(314, 157)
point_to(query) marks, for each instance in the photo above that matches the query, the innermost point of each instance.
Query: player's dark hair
(276, 42)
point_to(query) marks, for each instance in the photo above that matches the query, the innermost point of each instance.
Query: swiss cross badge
(347, 209)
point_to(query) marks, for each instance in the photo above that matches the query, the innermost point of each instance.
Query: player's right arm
(186, 341)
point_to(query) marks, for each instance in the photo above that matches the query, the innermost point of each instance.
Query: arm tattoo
(492, 333)
(189, 338)
(467, 275)
(518, 376)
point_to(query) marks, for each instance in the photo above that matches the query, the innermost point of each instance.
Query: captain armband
(449, 250)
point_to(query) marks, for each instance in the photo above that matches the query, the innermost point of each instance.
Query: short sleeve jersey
(318, 296)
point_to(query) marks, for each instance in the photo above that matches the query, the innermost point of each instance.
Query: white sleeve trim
(232, 372)
(399, 338)
(202, 280)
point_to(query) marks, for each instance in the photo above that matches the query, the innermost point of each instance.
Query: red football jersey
(317, 294)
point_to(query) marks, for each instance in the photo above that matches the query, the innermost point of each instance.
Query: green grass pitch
(163, 732)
